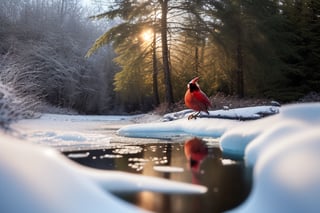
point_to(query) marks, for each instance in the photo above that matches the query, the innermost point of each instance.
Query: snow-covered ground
(211, 125)
(77, 132)
(283, 149)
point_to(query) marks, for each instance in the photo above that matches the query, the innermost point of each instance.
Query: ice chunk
(169, 169)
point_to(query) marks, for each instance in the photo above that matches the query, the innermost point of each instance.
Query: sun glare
(147, 35)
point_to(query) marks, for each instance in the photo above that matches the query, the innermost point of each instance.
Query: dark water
(228, 181)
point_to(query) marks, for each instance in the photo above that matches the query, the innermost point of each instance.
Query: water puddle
(192, 161)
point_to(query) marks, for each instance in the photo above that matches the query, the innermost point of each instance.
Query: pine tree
(136, 17)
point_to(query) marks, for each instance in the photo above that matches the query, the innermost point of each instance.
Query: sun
(147, 35)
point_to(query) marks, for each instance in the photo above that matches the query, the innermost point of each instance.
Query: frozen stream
(92, 141)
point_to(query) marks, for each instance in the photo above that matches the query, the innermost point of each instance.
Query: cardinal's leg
(195, 115)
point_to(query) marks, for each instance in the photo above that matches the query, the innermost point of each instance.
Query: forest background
(134, 55)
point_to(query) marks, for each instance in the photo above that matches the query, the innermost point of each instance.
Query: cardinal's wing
(202, 98)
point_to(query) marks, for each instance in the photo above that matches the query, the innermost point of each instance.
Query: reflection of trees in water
(227, 184)
(156, 201)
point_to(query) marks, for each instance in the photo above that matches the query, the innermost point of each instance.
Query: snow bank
(258, 134)
(245, 113)
(287, 174)
(206, 126)
(202, 127)
(285, 153)
(278, 133)
(234, 141)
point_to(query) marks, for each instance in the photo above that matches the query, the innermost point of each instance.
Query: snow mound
(286, 174)
(211, 125)
(245, 113)
(284, 153)
(292, 117)
(202, 127)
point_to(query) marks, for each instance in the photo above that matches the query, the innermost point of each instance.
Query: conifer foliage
(240, 47)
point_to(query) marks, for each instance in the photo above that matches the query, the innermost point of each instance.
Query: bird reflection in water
(195, 151)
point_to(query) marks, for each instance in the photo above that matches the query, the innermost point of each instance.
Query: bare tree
(43, 49)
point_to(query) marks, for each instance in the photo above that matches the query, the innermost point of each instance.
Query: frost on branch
(12, 107)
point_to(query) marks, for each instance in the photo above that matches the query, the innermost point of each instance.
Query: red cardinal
(196, 99)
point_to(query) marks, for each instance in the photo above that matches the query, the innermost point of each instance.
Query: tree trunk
(165, 52)
(155, 70)
(240, 81)
(240, 86)
(196, 60)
